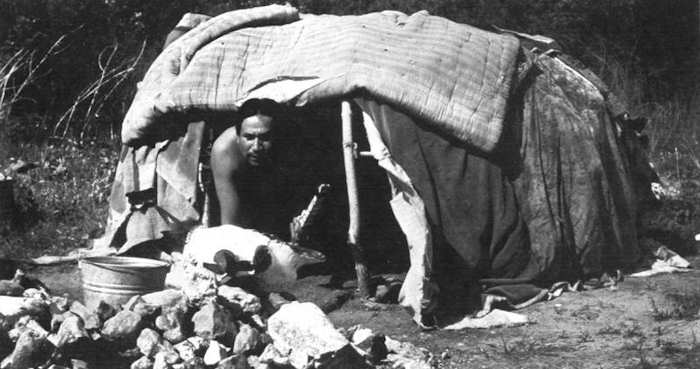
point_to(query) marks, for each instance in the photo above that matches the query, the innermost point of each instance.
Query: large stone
(124, 326)
(236, 296)
(304, 327)
(213, 321)
(31, 349)
(92, 321)
(306, 333)
(246, 340)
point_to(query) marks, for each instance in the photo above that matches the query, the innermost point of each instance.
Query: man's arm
(226, 161)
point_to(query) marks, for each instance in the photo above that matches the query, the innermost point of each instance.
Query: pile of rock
(206, 327)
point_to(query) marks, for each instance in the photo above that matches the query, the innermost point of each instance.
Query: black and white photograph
(349, 184)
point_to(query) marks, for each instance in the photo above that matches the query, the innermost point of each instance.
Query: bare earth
(644, 323)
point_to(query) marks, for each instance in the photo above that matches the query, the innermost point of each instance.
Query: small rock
(142, 363)
(404, 354)
(26, 323)
(247, 339)
(168, 353)
(21, 166)
(254, 361)
(124, 326)
(200, 345)
(362, 338)
(196, 363)
(213, 321)
(91, 320)
(215, 353)
(10, 288)
(166, 298)
(234, 362)
(191, 348)
(141, 307)
(37, 293)
(60, 303)
(71, 330)
(171, 322)
(198, 284)
(249, 303)
(56, 321)
(276, 300)
(258, 321)
(335, 300)
(31, 350)
(272, 356)
(160, 362)
(148, 342)
(12, 308)
(186, 350)
(105, 311)
(79, 364)
(377, 349)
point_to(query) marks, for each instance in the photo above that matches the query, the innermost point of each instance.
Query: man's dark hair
(252, 107)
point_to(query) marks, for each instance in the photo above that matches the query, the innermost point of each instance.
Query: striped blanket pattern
(454, 77)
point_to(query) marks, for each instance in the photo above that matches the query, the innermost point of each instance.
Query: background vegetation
(68, 71)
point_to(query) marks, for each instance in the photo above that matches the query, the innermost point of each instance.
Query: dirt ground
(644, 323)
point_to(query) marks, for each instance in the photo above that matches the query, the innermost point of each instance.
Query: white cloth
(419, 291)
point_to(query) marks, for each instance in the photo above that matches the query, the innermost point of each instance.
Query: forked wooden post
(349, 154)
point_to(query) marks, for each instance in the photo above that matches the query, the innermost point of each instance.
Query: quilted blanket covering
(455, 77)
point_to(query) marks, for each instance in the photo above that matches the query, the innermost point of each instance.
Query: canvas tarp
(454, 77)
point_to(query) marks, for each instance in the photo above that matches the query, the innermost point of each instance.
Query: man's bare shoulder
(228, 144)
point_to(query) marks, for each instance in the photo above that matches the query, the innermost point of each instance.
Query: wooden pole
(353, 203)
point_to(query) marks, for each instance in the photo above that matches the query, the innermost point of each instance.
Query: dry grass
(62, 203)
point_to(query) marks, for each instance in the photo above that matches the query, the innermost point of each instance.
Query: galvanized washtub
(115, 279)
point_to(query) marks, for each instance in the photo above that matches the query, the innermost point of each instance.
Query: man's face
(256, 140)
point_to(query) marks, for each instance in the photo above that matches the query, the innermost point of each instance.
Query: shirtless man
(243, 167)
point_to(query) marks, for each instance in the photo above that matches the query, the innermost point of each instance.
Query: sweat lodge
(504, 165)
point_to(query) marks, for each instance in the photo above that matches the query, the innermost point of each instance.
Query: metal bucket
(115, 279)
